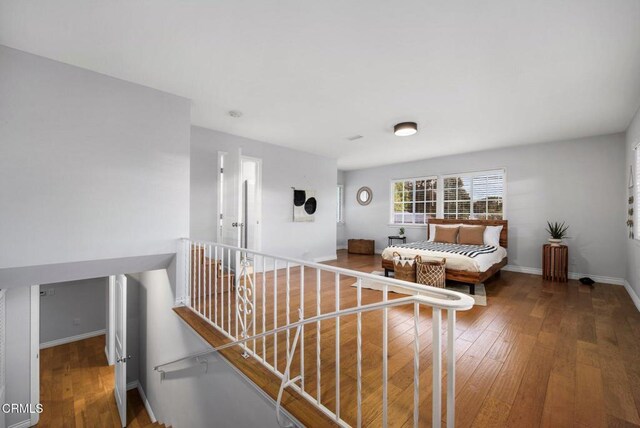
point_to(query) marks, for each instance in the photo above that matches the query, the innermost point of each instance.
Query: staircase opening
(332, 346)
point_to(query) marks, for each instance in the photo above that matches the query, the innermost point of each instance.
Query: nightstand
(555, 262)
(402, 239)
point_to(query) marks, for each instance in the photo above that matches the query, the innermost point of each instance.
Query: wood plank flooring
(540, 354)
(76, 388)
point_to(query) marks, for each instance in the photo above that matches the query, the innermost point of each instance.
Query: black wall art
(304, 205)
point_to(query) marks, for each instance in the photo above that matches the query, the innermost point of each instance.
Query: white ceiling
(308, 74)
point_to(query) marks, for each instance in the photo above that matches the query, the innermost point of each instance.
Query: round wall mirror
(364, 196)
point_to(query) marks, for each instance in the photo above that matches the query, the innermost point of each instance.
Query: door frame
(34, 351)
(111, 319)
(258, 162)
(220, 192)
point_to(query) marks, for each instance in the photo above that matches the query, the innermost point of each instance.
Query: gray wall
(576, 181)
(18, 370)
(84, 300)
(281, 169)
(188, 397)
(77, 147)
(632, 246)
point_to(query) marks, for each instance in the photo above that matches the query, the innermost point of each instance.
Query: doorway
(251, 206)
(239, 214)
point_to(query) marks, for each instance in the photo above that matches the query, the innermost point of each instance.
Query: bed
(461, 268)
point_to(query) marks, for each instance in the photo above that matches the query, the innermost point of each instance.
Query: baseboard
(572, 275)
(325, 258)
(632, 294)
(341, 247)
(23, 424)
(106, 353)
(147, 405)
(522, 269)
(136, 385)
(72, 338)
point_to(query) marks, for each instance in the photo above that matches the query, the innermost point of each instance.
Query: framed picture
(305, 205)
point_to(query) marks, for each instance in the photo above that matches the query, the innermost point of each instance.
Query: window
(340, 204)
(474, 196)
(414, 200)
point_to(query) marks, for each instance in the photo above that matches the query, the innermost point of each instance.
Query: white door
(251, 206)
(120, 337)
(231, 198)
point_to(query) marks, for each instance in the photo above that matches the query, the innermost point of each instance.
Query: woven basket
(404, 268)
(430, 272)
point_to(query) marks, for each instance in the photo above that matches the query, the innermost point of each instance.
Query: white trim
(632, 294)
(23, 424)
(34, 369)
(341, 247)
(72, 338)
(110, 346)
(147, 405)
(325, 258)
(132, 385)
(340, 202)
(572, 275)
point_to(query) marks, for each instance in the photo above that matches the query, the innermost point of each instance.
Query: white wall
(91, 167)
(578, 181)
(632, 246)
(84, 300)
(18, 336)
(188, 397)
(281, 169)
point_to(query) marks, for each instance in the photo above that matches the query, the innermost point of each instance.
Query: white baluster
(436, 420)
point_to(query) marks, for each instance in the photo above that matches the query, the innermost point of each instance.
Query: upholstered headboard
(504, 234)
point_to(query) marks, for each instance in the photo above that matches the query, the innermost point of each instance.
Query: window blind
(474, 196)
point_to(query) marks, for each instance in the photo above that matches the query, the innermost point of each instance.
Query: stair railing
(237, 291)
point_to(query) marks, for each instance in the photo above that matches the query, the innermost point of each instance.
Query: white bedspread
(480, 263)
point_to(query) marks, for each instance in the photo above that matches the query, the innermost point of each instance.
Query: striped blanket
(465, 250)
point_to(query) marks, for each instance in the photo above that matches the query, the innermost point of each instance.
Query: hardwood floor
(539, 354)
(76, 388)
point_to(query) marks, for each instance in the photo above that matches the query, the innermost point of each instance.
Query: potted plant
(401, 234)
(557, 232)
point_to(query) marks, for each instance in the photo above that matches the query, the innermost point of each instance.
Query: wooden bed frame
(471, 278)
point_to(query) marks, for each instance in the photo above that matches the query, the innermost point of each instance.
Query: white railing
(240, 293)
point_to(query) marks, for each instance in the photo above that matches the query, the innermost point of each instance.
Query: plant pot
(555, 242)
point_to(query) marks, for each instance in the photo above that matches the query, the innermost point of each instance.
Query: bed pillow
(447, 235)
(492, 236)
(432, 229)
(471, 235)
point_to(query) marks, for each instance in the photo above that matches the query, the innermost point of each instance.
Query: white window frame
(340, 204)
(472, 174)
(414, 179)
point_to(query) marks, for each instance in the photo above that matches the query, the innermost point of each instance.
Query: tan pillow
(471, 235)
(446, 235)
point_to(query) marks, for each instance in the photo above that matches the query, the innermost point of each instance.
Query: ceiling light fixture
(405, 129)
